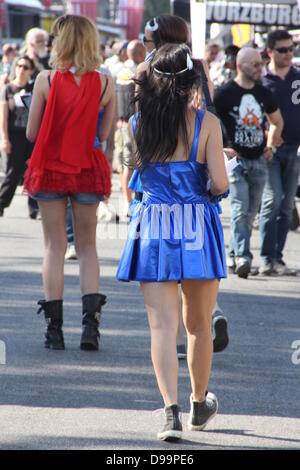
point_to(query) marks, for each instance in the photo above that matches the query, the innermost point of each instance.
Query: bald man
(136, 51)
(243, 105)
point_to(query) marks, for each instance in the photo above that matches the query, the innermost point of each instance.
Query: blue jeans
(81, 198)
(278, 199)
(247, 182)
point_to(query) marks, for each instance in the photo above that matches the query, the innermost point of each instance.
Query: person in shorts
(65, 164)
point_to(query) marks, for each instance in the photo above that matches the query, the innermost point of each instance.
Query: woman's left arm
(108, 103)
(40, 90)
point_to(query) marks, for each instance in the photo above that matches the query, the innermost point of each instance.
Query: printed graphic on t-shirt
(249, 122)
(20, 112)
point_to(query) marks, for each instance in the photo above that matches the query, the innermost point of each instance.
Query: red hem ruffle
(90, 180)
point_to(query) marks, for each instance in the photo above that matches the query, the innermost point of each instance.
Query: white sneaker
(104, 213)
(71, 252)
(280, 268)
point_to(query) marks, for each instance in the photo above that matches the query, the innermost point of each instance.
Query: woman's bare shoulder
(211, 121)
(105, 78)
(44, 74)
(42, 79)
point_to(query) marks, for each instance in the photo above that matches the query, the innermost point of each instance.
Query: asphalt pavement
(77, 399)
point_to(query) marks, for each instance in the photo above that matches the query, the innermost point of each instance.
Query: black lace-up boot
(91, 311)
(53, 310)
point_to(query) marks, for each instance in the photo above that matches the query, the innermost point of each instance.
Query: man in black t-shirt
(242, 105)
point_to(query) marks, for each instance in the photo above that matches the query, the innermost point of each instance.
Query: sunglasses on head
(145, 40)
(284, 50)
(23, 66)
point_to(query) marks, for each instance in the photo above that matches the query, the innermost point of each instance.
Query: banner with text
(267, 14)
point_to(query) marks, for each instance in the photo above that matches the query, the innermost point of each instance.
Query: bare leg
(180, 331)
(199, 299)
(161, 301)
(55, 243)
(85, 223)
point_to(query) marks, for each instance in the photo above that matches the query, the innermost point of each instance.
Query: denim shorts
(81, 198)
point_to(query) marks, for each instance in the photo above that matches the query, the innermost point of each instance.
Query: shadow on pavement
(253, 376)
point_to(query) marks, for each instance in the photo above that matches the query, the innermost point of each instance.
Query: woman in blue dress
(159, 31)
(175, 234)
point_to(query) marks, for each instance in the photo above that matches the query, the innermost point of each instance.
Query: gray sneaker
(172, 430)
(202, 412)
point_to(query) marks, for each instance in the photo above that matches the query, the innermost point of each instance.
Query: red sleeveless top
(64, 159)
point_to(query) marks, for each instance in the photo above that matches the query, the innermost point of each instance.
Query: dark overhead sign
(253, 13)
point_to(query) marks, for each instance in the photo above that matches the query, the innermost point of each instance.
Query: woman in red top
(65, 164)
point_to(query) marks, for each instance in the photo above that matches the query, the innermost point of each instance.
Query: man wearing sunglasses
(282, 79)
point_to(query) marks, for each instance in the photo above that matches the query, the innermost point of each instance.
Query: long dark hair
(162, 98)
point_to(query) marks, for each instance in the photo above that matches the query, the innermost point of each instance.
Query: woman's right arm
(215, 156)
(39, 98)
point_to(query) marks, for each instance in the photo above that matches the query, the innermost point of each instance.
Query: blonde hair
(76, 43)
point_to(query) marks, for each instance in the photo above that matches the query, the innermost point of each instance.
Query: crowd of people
(259, 115)
(73, 110)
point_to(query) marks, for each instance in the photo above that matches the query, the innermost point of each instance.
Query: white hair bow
(189, 66)
(154, 27)
(189, 62)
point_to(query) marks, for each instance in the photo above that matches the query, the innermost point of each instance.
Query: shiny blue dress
(175, 232)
